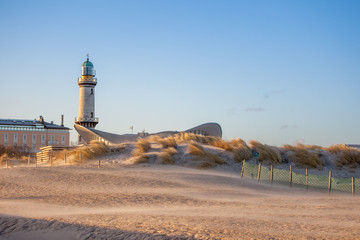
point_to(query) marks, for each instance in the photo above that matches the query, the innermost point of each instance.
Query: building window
(6, 139)
(15, 139)
(24, 140)
(52, 138)
(33, 141)
(63, 140)
(92, 91)
(43, 139)
(92, 114)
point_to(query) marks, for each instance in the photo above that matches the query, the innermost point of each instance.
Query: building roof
(31, 123)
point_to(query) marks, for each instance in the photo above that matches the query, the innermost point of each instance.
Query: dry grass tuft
(143, 158)
(196, 149)
(313, 147)
(143, 145)
(154, 138)
(267, 153)
(87, 152)
(303, 157)
(168, 142)
(139, 153)
(238, 146)
(171, 150)
(13, 152)
(185, 137)
(209, 160)
(166, 155)
(220, 143)
(215, 158)
(166, 158)
(242, 154)
(3, 157)
(241, 150)
(98, 148)
(345, 156)
(335, 149)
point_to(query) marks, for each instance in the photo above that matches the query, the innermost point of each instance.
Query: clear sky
(279, 72)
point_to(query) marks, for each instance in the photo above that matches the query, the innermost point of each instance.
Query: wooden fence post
(290, 176)
(353, 186)
(80, 157)
(50, 161)
(242, 170)
(307, 179)
(99, 164)
(329, 182)
(271, 173)
(259, 171)
(65, 158)
(29, 160)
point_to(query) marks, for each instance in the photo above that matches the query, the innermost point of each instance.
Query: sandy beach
(165, 202)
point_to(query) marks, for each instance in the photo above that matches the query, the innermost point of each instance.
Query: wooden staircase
(44, 155)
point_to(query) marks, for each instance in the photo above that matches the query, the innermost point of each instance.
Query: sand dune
(164, 202)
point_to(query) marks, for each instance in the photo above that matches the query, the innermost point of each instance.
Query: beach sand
(165, 202)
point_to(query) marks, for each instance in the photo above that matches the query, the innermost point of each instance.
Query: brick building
(30, 135)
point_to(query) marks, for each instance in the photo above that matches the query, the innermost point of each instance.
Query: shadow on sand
(14, 228)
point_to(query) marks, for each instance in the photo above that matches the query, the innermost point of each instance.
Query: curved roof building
(90, 134)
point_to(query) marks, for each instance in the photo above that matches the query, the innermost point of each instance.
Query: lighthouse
(87, 83)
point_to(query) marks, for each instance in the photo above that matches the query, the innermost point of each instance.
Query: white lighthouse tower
(87, 83)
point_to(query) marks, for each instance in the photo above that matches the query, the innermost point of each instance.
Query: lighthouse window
(92, 114)
(92, 91)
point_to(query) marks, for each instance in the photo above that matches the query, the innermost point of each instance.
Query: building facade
(31, 135)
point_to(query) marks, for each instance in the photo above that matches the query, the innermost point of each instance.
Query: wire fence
(50, 160)
(320, 182)
(249, 170)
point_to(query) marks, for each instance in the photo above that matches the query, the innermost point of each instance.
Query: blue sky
(279, 72)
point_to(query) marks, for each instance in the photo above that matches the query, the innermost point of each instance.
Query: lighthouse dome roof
(87, 63)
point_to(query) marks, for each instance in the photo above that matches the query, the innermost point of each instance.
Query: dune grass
(304, 157)
(266, 153)
(143, 158)
(345, 156)
(166, 155)
(241, 150)
(13, 152)
(142, 146)
(154, 139)
(209, 160)
(168, 142)
(238, 146)
(87, 152)
(196, 149)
